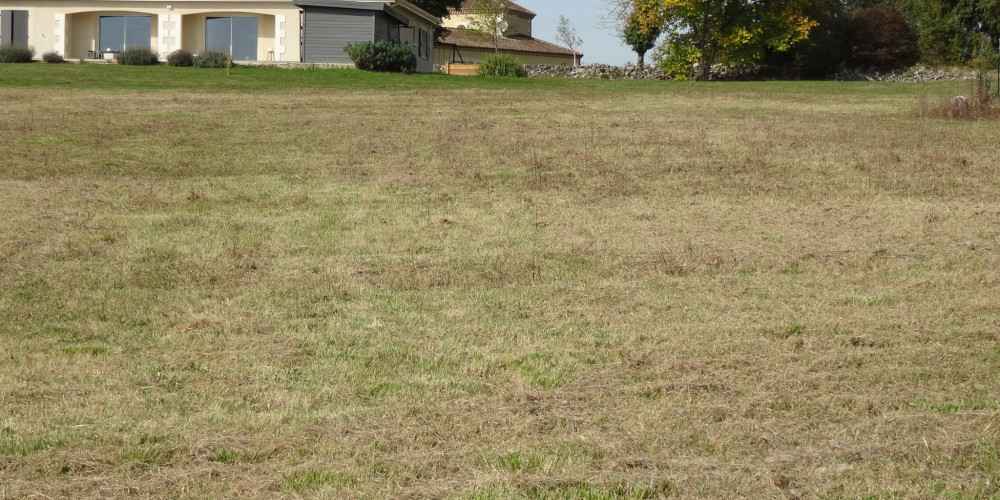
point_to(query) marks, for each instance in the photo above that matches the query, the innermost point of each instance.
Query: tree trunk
(641, 62)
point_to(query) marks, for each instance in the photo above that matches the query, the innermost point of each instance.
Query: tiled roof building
(461, 44)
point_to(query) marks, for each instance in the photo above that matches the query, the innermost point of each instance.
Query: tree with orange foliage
(701, 32)
(642, 28)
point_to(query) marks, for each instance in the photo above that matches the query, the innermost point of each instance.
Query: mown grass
(558, 290)
(114, 78)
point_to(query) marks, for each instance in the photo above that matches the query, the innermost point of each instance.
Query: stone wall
(916, 74)
(748, 73)
(604, 71)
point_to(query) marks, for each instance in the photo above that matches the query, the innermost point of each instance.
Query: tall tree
(437, 8)
(566, 34)
(880, 37)
(738, 31)
(642, 28)
(490, 20)
(946, 29)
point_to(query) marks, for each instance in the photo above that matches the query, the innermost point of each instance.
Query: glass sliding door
(244, 38)
(236, 36)
(138, 31)
(218, 34)
(122, 32)
(112, 34)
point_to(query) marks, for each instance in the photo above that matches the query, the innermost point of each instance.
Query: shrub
(881, 38)
(978, 107)
(16, 54)
(392, 57)
(138, 56)
(501, 65)
(212, 59)
(53, 57)
(180, 58)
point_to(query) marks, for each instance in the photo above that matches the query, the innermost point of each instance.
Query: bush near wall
(16, 54)
(383, 56)
(53, 57)
(212, 59)
(180, 58)
(138, 56)
(501, 65)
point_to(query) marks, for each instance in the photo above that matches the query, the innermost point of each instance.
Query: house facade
(250, 30)
(461, 44)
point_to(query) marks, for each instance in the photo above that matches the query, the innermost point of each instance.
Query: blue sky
(599, 44)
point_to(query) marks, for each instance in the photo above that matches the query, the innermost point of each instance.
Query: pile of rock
(916, 74)
(718, 72)
(721, 73)
(603, 71)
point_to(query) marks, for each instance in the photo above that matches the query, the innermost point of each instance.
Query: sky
(600, 45)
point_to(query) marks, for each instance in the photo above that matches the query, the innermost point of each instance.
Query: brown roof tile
(464, 38)
(469, 7)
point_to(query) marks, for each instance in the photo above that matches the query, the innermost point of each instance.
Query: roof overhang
(376, 6)
(507, 50)
(412, 10)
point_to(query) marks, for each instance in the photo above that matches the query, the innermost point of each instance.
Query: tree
(881, 38)
(642, 28)
(946, 29)
(490, 20)
(828, 47)
(700, 32)
(437, 8)
(566, 35)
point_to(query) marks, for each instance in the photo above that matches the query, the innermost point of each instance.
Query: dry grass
(981, 103)
(485, 294)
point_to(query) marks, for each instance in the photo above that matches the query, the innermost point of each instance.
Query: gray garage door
(326, 31)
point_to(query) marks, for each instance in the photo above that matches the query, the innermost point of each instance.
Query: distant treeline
(889, 34)
(812, 38)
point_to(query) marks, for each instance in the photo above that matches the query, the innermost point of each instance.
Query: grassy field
(334, 284)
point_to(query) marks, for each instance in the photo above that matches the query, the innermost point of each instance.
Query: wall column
(168, 39)
(279, 37)
(60, 34)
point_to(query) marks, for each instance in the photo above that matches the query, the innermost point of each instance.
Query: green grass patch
(315, 479)
(9, 445)
(262, 79)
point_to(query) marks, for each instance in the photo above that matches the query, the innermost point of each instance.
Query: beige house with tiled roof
(459, 44)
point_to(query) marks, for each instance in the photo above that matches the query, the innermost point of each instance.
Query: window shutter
(20, 28)
(6, 23)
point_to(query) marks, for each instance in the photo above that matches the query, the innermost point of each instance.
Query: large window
(122, 32)
(233, 35)
(422, 44)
